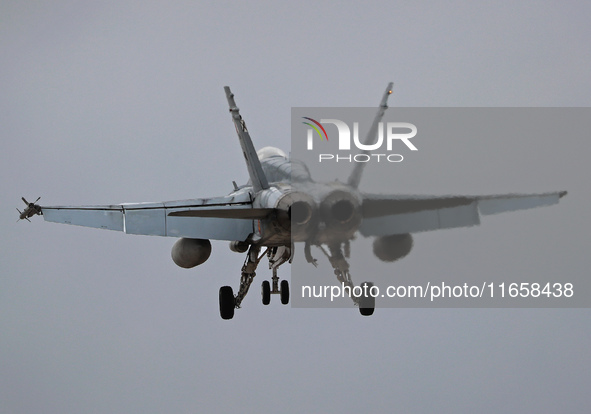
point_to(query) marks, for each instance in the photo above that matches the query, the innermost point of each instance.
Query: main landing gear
(277, 256)
(337, 255)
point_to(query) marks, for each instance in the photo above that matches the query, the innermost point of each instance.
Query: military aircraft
(282, 205)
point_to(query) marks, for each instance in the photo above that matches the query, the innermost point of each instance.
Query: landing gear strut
(229, 302)
(277, 256)
(337, 255)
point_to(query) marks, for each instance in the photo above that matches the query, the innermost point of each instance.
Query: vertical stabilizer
(355, 176)
(255, 170)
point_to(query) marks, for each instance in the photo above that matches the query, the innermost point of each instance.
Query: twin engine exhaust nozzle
(335, 219)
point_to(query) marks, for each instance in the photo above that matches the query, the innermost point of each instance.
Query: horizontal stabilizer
(237, 213)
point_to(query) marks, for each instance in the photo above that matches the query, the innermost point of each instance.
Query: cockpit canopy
(268, 152)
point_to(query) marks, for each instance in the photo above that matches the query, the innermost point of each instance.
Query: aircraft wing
(223, 218)
(387, 215)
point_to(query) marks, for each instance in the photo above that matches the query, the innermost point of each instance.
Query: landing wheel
(284, 292)
(266, 292)
(227, 302)
(367, 302)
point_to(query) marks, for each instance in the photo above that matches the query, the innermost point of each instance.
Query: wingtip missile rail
(31, 210)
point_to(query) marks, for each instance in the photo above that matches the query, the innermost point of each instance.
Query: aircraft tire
(284, 292)
(367, 303)
(266, 292)
(227, 302)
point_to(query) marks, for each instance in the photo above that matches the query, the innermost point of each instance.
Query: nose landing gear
(277, 256)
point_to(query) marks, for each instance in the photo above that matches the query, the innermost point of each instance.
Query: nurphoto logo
(392, 132)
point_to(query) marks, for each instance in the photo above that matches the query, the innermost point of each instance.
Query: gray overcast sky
(109, 102)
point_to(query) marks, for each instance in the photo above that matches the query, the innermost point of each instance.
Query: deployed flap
(388, 215)
(145, 218)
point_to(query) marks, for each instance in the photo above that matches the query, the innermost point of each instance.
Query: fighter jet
(282, 206)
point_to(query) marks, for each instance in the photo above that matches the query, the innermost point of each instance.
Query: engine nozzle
(298, 213)
(341, 212)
